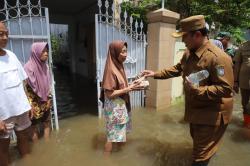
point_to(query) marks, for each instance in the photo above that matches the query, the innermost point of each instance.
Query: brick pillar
(160, 54)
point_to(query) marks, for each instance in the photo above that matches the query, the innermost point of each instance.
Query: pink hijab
(38, 71)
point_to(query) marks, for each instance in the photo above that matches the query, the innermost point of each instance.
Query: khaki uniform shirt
(212, 100)
(242, 65)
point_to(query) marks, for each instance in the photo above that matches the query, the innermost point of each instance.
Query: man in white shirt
(14, 105)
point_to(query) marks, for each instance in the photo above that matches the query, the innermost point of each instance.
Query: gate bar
(52, 73)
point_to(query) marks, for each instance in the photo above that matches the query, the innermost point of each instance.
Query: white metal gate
(28, 22)
(113, 24)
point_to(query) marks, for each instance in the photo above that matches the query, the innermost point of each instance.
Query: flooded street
(158, 138)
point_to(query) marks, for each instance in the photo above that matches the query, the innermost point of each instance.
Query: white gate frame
(28, 12)
(113, 24)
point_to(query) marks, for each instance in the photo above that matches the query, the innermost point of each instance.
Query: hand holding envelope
(141, 80)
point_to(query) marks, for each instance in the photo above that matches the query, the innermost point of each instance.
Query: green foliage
(237, 34)
(55, 44)
(227, 15)
(140, 10)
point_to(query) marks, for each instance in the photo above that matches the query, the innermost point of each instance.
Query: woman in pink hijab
(38, 88)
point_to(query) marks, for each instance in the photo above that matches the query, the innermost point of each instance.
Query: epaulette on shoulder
(214, 51)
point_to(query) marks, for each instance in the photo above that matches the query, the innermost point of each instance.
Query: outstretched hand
(148, 73)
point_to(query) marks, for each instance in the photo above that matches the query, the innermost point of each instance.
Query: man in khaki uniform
(208, 107)
(242, 78)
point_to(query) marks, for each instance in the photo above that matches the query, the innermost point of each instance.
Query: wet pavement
(158, 138)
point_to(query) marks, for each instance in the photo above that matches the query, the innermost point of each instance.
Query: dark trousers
(200, 163)
(206, 139)
(245, 96)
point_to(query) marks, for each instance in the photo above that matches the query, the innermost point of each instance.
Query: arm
(25, 87)
(238, 61)
(49, 104)
(30, 98)
(116, 93)
(237, 64)
(174, 71)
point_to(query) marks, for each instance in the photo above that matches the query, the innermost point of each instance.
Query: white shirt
(13, 100)
(217, 43)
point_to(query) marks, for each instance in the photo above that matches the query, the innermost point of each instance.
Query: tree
(139, 8)
(226, 15)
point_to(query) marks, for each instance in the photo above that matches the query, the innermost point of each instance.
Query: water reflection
(75, 94)
(158, 138)
(166, 153)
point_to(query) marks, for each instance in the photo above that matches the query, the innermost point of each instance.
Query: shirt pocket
(10, 79)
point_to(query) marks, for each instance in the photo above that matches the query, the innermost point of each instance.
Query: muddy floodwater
(158, 138)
